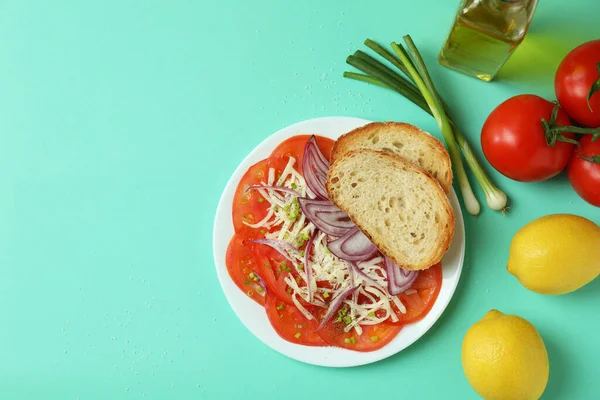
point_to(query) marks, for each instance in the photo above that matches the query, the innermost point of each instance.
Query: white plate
(254, 317)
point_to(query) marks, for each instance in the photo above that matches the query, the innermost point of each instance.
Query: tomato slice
(274, 268)
(240, 263)
(291, 324)
(428, 286)
(248, 205)
(373, 337)
(294, 147)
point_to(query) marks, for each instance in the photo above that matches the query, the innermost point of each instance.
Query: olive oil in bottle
(485, 34)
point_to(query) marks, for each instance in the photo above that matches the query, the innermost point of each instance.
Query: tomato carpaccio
(252, 265)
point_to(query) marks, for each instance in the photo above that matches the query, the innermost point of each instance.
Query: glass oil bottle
(484, 35)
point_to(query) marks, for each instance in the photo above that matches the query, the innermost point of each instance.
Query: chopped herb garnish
(300, 266)
(286, 208)
(371, 314)
(347, 340)
(280, 307)
(302, 252)
(251, 275)
(327, 251)
(293, 185)
(289, 290)
(373, 339)
(326, 295)
(304, 236)
(260, 199)
(256, 279)
(297, 335)
(246, 282)
(347, 320)
(262, 231)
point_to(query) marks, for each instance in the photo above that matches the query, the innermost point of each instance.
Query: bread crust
(358, 137)
(447, 233)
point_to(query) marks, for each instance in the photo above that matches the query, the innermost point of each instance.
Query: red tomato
(240, 263)
(291, 324)
(294, 147)
(248, 205)
(575, 75)
(584, 170)
(373, 337)
(418, 304)
(274, 268)
(514, 141)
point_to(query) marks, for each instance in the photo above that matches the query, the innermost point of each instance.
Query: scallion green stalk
(380, 75)
(420, 76)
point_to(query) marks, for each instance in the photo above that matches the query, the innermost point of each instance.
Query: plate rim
(321, 356)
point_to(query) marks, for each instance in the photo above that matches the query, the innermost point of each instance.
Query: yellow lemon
(504, 358)
(556, 254)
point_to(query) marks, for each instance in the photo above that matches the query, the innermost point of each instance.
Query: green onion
(289, 290)
(286, 208)
(325, 295)
(293, 185)
(246, 282)
(347, 340)
(347, 320)
(304, 236)
(373, 339)
(260, 199)
(300, 266)
(251, 275)
(421, 78)
(280, 307)
(297, 335)
(262, 231)
(422, 93)
(302, 252)
(371, 314)
(255, 279)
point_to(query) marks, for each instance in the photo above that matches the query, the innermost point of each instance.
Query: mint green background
(120, 123)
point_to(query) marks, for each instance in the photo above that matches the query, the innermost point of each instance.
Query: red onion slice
(280, 246)
(326, 216)
(278, 188)
(353, 246)
(399, 279)
(314, 168)
(260, 282)
(307, 265)
(335, 304)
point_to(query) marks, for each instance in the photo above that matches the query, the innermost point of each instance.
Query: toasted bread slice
(404, 140)
(399, 206)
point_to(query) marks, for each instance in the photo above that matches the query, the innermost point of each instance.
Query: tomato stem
(594, 88)
(554, 133)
